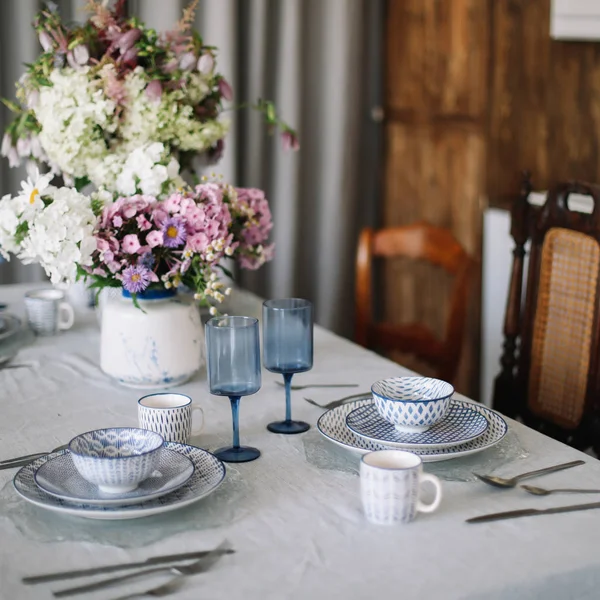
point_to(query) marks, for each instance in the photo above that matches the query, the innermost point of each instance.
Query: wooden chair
(420, 242)
(550, 376)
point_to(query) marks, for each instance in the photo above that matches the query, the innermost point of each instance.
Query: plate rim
(435, 446)
(101, 513)
(113, 501)
(423, 454)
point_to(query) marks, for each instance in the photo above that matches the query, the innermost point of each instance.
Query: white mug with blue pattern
(390, 482)
(170, 415)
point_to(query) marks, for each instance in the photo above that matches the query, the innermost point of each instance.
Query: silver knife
(155, 560)
(532, 512)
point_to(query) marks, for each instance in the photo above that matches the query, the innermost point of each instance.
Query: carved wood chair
(550, 376)
(420, 241)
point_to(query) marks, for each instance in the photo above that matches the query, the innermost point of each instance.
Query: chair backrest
(419, 241)
(552, 381)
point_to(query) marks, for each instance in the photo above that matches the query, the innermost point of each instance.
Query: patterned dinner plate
(209, 473)
(462, 424)
(332, 425)
(59, 477)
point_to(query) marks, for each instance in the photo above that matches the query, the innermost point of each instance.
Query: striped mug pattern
(170, 415)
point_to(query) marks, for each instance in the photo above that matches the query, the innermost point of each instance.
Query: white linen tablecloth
(294, 515)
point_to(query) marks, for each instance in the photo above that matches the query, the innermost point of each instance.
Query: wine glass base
(288, 427)
(237, 455)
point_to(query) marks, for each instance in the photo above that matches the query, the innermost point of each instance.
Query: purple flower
(174, 233)
(147, 260)
(136, 279)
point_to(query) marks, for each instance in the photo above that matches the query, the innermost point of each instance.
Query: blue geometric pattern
(209, 473)
(332, 425)
(116, 457)
(174, 424)
(412, 402)
(460, 425)
(60, 478)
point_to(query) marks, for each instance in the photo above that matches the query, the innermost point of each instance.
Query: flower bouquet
(104, 90)
(126, 114)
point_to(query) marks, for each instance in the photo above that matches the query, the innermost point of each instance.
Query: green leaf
(11, 105)
(271, 116)
(21, 232)
(81, 182)
(226, 271)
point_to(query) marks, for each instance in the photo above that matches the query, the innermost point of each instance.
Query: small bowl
(116, 459)
(412, 403)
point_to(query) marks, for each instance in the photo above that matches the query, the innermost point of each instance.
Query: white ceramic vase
(159, 345)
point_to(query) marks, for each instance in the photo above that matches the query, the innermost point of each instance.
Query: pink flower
(173, 202)
(289, 141)
(131, 244)
(143, 223)
(127, 40)
(154, 238)
(117, 221)
(99, 271)
(101, 244)
(197, 242)
(225, 89)
(114, 266)
(108, 256)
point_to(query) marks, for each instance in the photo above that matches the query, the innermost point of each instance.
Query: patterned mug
(390, 482)
(170, 415)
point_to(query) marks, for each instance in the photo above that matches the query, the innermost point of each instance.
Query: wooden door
(436, 99)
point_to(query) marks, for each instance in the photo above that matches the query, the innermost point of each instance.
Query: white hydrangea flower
(74, 114)
(9, 221)
(61, 236)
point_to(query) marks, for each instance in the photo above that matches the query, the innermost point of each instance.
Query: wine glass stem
(287, 379)
(235, 409)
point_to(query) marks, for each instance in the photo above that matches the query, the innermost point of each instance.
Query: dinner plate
(332, 425)
(59, 477)
(461, 424)
(209, 473)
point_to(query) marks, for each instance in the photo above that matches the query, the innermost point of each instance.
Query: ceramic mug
(170, 415)
(390, 482)
(47, 311)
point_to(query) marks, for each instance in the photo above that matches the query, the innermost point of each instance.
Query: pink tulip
(128, 40)
(289, 141)
(187, 61)
(225, 89)
(154, 90)
(45, 41)
(206, 64)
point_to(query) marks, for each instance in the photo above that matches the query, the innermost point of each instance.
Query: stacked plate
(466, 428)
(182, 474)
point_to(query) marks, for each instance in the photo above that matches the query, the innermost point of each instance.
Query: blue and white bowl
(116, 459)
(412, 403)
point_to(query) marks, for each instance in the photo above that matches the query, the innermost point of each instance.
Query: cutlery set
(169, 564)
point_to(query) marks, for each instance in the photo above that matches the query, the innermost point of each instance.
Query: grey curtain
(319, 60)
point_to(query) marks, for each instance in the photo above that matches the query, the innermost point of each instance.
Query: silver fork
(181, 571)
(318, 385)
(336, 403)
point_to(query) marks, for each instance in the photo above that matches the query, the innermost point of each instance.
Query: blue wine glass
(233, 356)
(288, 349)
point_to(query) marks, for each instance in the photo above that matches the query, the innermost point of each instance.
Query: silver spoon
(512, 481)
(319, 385)
(538, 491)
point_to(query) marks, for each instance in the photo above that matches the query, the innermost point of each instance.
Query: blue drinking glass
(233, 357)
(288, 349)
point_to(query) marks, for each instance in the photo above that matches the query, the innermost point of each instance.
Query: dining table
(293, 517)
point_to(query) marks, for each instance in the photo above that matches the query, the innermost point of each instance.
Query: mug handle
(66, 310)
(197, 431)
(428, 508)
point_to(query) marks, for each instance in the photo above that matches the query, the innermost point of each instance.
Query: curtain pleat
(320, 62)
